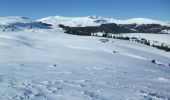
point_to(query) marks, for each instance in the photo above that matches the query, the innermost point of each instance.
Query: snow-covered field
(58, 66)
(161, 38)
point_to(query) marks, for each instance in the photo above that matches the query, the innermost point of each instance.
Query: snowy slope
(13, 19)
(17, 23)
(155, 38)
(144, 21)
(96, 20)
(69, 21)
(57, 66)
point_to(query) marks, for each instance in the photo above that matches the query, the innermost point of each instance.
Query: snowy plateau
(40, 62)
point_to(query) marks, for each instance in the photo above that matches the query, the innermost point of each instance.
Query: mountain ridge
(90, 21)
(19, 23)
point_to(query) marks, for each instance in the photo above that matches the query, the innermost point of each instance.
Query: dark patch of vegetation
(147, 42)
(153, 61)
(143, 41)
(105, 28)
(54, 65)
(44, 24)
(146, 28)
(18, 25)
(121, 37)
(80, 30)
(115, 51)
(115, 28)
(162, 47)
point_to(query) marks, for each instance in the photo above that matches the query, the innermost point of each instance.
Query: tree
(104, 35)
(126, 38)
(153, 61)
(148, 43)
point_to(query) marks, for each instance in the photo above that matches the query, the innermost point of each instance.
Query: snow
(155, 38)
(46, 64)
(166, 31)
(13, 19)
(69, 21)
(144, 21)
(51, 65)
(17, 23)
(96, 21)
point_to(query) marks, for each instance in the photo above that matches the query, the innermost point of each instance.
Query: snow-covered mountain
(143, 21)
(13, 19)
(17, 23)
(51, 65)
(142, 25)
(96, 20)
(70, 21)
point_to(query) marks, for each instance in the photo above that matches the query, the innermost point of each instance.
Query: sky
(118, 9)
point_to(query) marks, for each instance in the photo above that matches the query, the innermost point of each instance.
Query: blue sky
(119, 9)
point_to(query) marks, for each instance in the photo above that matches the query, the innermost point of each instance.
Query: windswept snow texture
(58, 66)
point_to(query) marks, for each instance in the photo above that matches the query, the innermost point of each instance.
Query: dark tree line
(162, 47)
(105, 28)
(142, 41)
(115, 28)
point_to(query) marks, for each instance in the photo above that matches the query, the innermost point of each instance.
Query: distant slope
(16, 23)
(13, 19)
(144, 25)
(116, 28)
(70, 21)
(97, 20)
(141, 25)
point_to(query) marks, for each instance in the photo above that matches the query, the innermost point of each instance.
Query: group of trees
(146, 28)
(4, 30)
(10, 28)
(142, 41)
(79, 30)
(112, 36)
(5, 27)
(121, 37)
(107, 29)
(145, 41)
(88, 30)
(114, 29)
(162, 47)
(30, 26)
